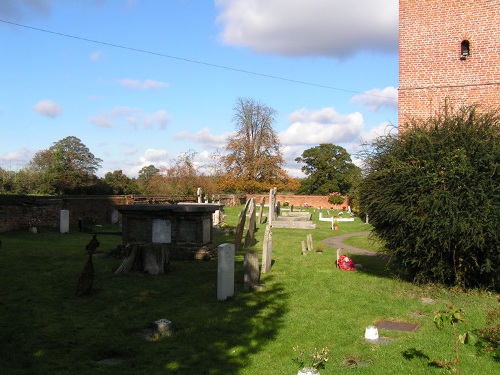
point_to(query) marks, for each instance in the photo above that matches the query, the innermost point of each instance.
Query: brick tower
(449, 53)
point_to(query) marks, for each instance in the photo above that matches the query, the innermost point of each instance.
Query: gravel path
(338, 242)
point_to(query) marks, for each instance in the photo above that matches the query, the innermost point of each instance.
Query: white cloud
(19, 158)
(205, 138)
(17, 9)
(375, 99)
(321, 126)
(147, 84)
(48, 108)
(95, 56)
(131, 116)
(314, 27)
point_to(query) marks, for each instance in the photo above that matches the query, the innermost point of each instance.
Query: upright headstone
(267, 249)
(309, 242)
(199, 195)
(216, 219)
(115, 215)
(270, 214)
(250, 233)
(261, 209)
(278, 209)
(251, 267)
(64, 221)
(304, 248)
(225, 271)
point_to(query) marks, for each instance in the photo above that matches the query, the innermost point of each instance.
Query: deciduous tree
(67, 167)
(254, 157)
(329, 169)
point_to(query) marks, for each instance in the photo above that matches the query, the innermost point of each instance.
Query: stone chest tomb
(185, 228)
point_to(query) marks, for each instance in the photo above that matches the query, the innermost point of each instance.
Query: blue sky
(141, 81)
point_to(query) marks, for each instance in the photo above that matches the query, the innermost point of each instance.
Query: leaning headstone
(267, 249)
(250, 233)
(64, 221)
(251, 267)
(240, 228)
(225, 271)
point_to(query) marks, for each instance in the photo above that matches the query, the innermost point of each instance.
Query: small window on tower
(465, 50)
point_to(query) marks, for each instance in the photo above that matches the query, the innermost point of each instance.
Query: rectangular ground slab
(397, 326)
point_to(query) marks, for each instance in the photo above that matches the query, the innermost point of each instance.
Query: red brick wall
(301, 200)
(431, 72)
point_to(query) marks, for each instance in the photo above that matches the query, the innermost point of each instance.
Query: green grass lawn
(307, 301)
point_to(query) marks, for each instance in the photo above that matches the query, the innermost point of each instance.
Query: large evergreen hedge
(433, 197)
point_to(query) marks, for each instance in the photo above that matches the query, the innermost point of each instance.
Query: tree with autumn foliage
(254, 158)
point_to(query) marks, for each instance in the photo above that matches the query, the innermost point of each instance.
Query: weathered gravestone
(309, 242)
(86, 279)
(261, 210)
(241, 226)
(267, 249)
(251, 270)
(304, 248)
(250, 232)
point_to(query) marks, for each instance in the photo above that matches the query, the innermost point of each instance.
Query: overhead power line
(194, 61)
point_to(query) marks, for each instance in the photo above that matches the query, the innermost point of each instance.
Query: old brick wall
(431, 72)
(22, 211)
(301, 200)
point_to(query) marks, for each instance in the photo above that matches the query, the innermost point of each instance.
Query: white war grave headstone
(225, 271)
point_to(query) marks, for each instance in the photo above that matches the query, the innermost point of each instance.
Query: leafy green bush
(335, 198)
(432, 194)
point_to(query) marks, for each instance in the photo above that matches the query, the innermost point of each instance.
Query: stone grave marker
(304, 248)
(309, 242)
(250, 233)
(261, 209)
(251, 276)
(64, 221)
(225, 271)
(267, 249)
(240, 228)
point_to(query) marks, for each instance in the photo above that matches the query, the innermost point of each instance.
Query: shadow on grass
(44, 328)
(374, 265)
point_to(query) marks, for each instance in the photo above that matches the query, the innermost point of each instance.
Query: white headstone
(64, 221)
(225, 271)
(114, 216)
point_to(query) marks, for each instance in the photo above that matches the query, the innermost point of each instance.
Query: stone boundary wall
(19, 211)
